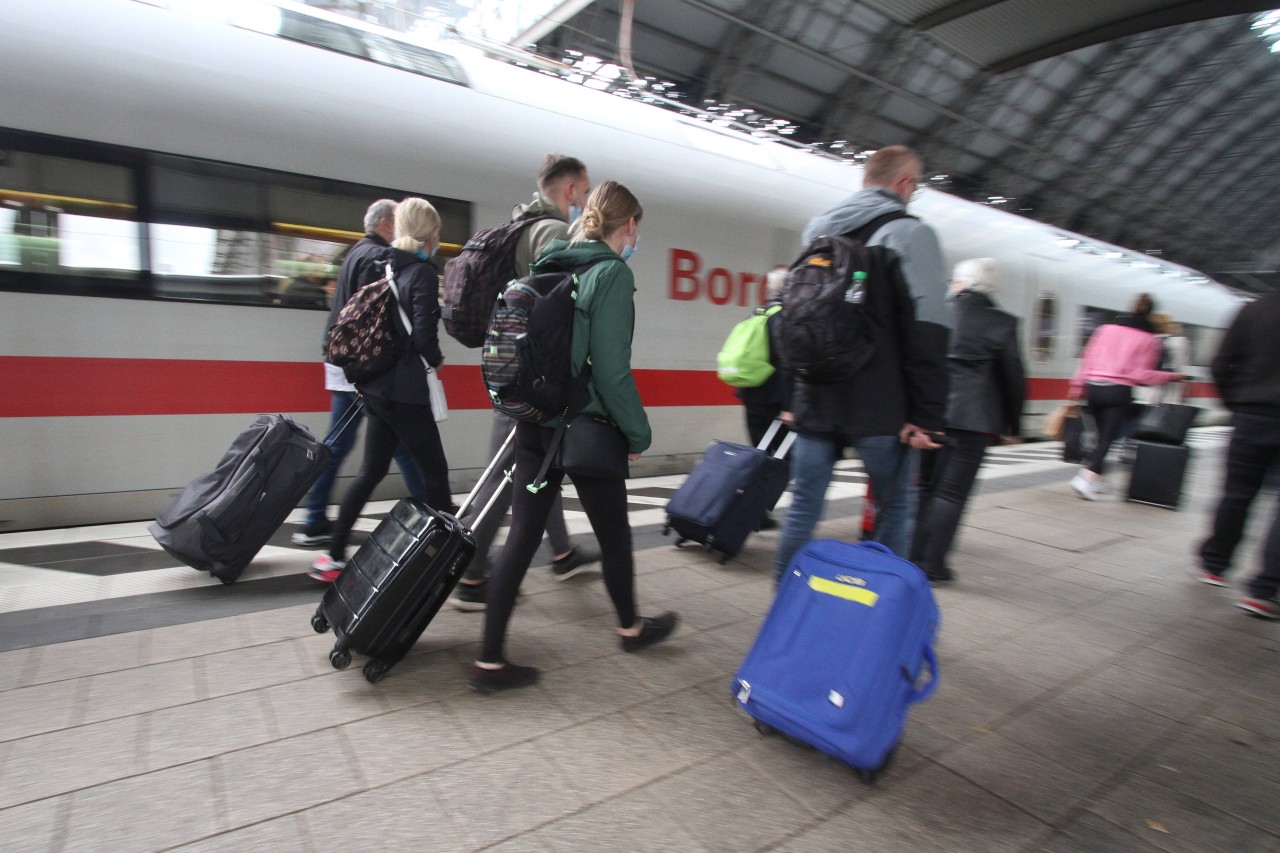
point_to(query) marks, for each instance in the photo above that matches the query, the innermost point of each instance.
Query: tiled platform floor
(1093, 697)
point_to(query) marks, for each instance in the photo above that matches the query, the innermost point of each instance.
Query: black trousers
(946, 481)
(388, 424)
(1252, 458)
(759, 417)
(605, 503)
(1109, 406)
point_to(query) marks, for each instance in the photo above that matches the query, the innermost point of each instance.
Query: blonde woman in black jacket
(986, 392)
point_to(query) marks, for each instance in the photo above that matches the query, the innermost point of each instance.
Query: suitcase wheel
(764, 728)
(666, 529)
(680, 540)
(340, 658)
(374, 671)
(869, 777)
(319, 623)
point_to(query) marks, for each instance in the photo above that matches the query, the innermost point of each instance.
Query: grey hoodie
(536, 237)
(916, 245)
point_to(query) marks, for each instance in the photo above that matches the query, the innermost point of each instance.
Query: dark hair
(609, 207)
(556, 167)
(1143, 305)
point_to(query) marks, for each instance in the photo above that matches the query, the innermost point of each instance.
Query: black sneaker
(654, 630)
(508, 677)
(574, 563)
(313, 534)
(768, 523)
(942, 575)
(469, 597)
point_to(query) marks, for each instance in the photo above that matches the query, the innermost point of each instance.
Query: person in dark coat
(398, 401)
(1245, 372)
(986, 392)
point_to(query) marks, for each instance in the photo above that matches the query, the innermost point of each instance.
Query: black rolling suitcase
(220, 521)
(728, 492)
(1158, 471)
(396, 582)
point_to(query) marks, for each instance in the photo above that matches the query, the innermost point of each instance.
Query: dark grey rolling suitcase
(396, 582)
(1158, 471)
(726, 495)
(221, 520)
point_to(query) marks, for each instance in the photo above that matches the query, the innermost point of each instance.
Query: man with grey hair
(359, 267)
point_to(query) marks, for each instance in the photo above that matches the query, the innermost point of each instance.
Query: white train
(170, 183)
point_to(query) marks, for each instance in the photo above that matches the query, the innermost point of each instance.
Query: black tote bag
(1166, 423)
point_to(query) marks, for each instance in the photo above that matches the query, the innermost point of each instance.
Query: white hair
(774, 281)
(383, 208)
(981, 275)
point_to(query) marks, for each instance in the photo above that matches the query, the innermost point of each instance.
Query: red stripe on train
(40, 387)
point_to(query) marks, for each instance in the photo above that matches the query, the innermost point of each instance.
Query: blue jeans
(318, 498)
(813, 457)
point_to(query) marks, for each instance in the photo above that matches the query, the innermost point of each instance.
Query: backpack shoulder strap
(867, 230)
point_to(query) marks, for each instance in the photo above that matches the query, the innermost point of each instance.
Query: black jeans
(605, 503)
(1252, 458)
(946, 481)
(759, 417)
(1109, 406)
(388, 425)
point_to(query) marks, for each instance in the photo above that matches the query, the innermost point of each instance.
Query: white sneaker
(1082, 487)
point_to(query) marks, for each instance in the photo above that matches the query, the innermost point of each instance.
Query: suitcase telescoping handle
(484, 478)
(787, 440)
(350, 416)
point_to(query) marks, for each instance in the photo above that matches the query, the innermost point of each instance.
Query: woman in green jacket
(603, 322)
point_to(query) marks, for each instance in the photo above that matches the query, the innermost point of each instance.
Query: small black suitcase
(396, 582)
(1158, 470)
(726, 495)
(221, 520)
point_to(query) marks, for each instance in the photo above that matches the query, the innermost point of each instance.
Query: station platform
(1094, 696)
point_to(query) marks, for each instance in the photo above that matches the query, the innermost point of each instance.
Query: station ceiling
(1151, 124)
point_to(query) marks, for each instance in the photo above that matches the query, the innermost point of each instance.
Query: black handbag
(1166, 423)
(592, 446)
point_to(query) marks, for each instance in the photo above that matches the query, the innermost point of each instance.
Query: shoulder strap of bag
(404, 316)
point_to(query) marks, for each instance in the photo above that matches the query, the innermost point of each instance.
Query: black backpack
(473, 280)
(825, 334)
(526, 361)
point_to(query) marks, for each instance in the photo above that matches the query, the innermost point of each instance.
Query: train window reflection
(1091, 317)
(95, 243)
(1046, 326)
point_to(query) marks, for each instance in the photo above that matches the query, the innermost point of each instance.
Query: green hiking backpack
(743, 361)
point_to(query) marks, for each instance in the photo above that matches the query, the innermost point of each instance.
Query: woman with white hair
(987, 390)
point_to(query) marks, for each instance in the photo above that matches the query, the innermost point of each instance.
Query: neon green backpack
(743, 361)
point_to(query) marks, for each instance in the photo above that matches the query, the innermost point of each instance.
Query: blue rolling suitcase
(726, 495)
(839, 657)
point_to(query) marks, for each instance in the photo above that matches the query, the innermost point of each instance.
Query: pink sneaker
(326, 569)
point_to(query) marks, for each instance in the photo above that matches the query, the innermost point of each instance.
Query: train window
(331, 35)
(1046, 326)
(1091, 317)
(66, 217)
(239, 234)
(79, 217)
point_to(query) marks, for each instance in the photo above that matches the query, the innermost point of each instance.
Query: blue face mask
(426, 256)
(574, 213)
(628, 251)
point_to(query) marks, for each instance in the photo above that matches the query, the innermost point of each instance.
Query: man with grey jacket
(897, 401)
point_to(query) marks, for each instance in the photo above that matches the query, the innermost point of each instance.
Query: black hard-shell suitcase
(726, 495)
(221, 520)
(1158, 471)
(396, 582)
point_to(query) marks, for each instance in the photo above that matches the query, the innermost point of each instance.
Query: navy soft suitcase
(396, 582)
(221, 520)
(839, 657)
(726, 495)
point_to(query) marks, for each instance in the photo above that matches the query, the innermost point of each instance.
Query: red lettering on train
(684, 275)
(720, 286)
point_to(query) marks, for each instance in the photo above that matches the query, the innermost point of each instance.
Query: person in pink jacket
(1119, 356)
